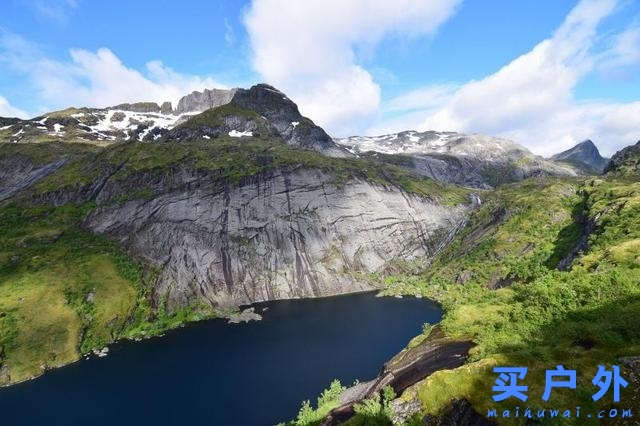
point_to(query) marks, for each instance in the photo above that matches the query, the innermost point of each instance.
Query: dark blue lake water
(214, 373)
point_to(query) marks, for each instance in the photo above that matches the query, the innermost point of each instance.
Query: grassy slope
(579, 318)
(65, 292)
(234, 159)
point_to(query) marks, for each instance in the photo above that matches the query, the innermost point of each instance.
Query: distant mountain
(584, 155)
(471, 160)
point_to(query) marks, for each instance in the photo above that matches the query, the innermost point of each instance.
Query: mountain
(151, 227)
(125, 222)
(471, 160)
(584, 155)
(262, 109)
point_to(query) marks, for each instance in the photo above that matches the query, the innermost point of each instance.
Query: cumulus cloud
(96, 79)
(6, 110)
(532, 98)
(307, 49)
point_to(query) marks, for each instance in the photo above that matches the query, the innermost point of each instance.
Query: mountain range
(155, 215)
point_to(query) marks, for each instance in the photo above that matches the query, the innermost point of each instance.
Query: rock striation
(287, 234)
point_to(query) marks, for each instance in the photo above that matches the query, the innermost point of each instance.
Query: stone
(166, 108)
(117, 116)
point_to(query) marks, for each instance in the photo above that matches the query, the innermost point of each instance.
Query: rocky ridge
(471, 160)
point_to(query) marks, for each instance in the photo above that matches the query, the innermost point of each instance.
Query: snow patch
(237, 134)
(295, 123)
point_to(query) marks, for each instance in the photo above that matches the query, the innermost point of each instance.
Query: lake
(214, 373)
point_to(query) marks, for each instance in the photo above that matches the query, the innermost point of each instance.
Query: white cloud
(229, 35)
(531, 99)
(54, 10)
(6, 110)
(95, 79)
(307, 49)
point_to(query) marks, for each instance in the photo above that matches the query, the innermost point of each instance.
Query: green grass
(43, 153)
(65, 292)
(215, 116)
(232, 161)
(544, 317)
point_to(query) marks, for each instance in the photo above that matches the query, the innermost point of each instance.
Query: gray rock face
(19, 172)
(584, 155)
(166, 108)
(201, 101)
(283, 235)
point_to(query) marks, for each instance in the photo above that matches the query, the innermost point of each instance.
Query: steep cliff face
(283, 234)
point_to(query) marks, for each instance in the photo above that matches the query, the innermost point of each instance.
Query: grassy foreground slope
(505, 284)
(500, 286)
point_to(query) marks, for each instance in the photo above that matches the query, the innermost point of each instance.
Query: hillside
(544, 273)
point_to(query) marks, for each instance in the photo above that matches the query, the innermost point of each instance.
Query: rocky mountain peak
(584, 155)
(261, 110)
(201, 101)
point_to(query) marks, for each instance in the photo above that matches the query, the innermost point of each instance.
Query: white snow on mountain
(430, 142)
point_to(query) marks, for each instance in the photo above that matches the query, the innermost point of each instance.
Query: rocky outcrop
(584, 155)
(19, 172)
(410, 366)
(139, 107)
(201, 101)
(285, 234)
(283, 114)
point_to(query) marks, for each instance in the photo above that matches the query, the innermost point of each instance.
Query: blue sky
(547, 74)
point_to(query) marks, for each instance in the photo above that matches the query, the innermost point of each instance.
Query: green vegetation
(327, 401)
(43, 153)
(499, 286)
(215, 116)
(65, 292)
(374, 411)
(232, 160)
